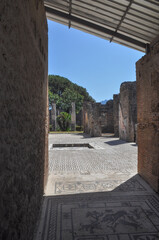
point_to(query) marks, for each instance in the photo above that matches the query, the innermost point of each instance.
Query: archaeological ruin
(127, 111)
(53, 112)
(106, 116)
(24, 97)
(91, 119)
(116, 114)
(98, 118)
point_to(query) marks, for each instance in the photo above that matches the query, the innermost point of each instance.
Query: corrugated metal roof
(133, 23)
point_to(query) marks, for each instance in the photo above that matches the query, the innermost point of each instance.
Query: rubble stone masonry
(23, 100)
(148, 115)
(107, 119)
(127, 111)
(91, 119)
(116, 114)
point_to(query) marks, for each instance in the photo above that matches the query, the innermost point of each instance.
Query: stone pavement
(80, 169)
(114, 202)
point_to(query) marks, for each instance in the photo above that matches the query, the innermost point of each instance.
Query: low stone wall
(23, 116)
(148, 115)
(127, 111)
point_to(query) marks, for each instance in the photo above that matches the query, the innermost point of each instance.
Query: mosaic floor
(96, 194)
(77, 169)
(100, 186)
(123, 214)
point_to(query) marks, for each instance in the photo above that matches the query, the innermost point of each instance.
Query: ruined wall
(127, 111)
(116, 114)
(91, 119)
(148, 116)
(23, 122)
(107, 119)
(79, 118)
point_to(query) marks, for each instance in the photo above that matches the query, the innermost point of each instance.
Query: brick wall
(148, 115)
(127, 111)
(23, 122)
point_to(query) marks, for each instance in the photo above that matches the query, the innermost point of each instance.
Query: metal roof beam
(70, 10)
(122, 19)
(94, 26)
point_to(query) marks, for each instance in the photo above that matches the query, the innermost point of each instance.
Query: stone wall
(107, 119)
(116, 114)
(23, 116)
(91, 119)
(79, 118)
(148, 115)
(98, 118)
(127, 111)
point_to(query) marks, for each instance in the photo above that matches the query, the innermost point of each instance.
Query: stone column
(73, 117)
(53, 116)
(96, 120)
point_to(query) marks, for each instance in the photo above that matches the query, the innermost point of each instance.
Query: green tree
(69, 96)
(63, 92)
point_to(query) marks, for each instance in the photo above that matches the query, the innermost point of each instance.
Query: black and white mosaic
(94, 186)
(101, 217)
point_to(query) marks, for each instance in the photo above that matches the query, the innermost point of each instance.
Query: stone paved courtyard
(81, 169)
(114, 203)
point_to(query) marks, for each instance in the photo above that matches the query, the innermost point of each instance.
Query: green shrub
(64, 120)
(50, 127)
(79, 128)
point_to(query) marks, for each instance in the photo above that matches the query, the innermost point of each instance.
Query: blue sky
(91, 62)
